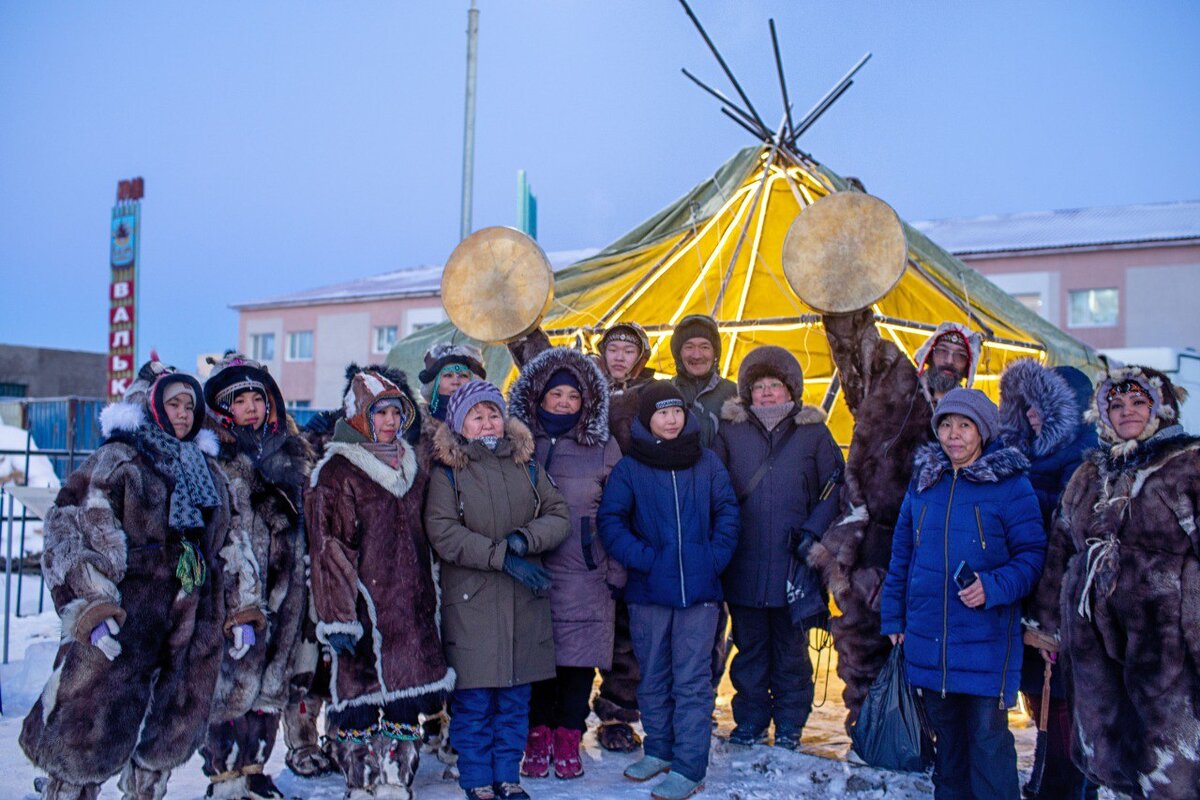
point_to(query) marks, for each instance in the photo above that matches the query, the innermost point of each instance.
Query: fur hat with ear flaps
(368, 387)
(1165, 398)
(235, 373)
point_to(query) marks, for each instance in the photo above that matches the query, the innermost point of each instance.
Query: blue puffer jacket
(1060, 395)
(987, 515)
(673, 530)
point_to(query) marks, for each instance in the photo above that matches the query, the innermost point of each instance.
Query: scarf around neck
(194, 489)
(388, 453)
(557, 425)
(770, 416)
(681, 452)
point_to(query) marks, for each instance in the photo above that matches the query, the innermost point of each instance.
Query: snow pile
(12, 471)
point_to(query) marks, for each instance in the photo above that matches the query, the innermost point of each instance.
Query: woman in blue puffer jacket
(968, 504)
(670, 517)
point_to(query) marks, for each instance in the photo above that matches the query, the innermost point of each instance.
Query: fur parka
(110, 552)
(267, 545)
(1121, 591)
(372, 577)
(579, 463)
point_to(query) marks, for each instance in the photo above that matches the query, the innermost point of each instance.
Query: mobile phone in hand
(964, 576)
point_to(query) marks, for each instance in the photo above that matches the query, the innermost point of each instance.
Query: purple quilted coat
(581, 603)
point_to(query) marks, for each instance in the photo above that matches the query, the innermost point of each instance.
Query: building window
(300, 346)
(416, 319)
(262, 346)
(1032, 301)
(385, 337)
(294, 405)
(1092, 308)
(13, 389)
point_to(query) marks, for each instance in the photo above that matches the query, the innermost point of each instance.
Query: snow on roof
(420, 281)
(1078, 227)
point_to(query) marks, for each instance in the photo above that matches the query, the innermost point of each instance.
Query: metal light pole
(468, 170)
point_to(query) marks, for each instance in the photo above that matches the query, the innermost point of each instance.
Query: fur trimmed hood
(735, 410)
(970, 338)
(527, 389)
(995, 464)
(769, 359)
(1165, 399)
(1026, 383)
(454, 451)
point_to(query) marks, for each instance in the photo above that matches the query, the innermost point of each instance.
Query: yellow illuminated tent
(717, 251)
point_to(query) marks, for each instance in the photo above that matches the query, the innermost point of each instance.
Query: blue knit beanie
(972, 404)
(467, 397)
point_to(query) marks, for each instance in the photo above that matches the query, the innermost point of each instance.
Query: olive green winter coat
(495, 631)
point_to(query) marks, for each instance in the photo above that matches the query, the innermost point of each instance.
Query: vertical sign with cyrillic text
(122, 293)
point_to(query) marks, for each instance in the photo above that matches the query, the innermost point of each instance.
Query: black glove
(527, 573)
(802, 542)
(341, 642)
(321, 423)
(518, 545)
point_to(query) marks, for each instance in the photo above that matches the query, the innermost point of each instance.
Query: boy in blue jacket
(669, 515)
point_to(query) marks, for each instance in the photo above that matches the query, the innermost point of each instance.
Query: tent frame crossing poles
(728, 72)
(762, 184)
(787, 105)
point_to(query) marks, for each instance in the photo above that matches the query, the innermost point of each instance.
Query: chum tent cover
(717, 250)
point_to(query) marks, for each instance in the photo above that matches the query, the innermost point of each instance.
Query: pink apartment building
(1116, 278)
(307, 338)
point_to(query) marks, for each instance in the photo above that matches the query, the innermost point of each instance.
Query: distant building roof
(422, 281)
(1079, 227)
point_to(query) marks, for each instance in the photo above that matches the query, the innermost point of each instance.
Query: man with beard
(892, 401)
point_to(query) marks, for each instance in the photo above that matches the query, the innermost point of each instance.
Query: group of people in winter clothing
(456, 573)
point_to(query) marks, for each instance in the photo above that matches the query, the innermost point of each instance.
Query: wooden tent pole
(787, 105)
(737, 248)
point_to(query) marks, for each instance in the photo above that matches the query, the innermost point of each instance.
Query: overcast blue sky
(287, 145)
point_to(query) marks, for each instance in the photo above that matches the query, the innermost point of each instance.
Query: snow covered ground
(821, 770)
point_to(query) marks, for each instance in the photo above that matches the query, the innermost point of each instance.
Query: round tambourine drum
(497, 285)
(844, 252)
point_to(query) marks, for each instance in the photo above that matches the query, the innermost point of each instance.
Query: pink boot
(566, 753)
(536, 763)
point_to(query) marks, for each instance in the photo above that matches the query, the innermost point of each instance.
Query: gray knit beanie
(972, 404)
(467, 397)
